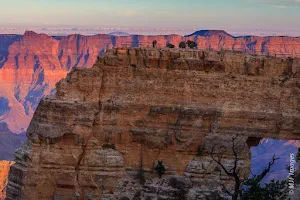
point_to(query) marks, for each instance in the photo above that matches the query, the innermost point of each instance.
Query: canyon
(103, 131)
(32, 64)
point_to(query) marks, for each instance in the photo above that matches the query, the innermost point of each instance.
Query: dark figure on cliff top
(154, 43)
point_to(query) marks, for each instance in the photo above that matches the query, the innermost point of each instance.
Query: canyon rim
(137, 106)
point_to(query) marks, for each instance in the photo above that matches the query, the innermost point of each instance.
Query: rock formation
(102, 133)
(30, 65)
(33, 66)
(219, 33)
(4, 169)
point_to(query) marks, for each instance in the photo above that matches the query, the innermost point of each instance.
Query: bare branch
(234, 171)
(227, 191)
(243, 147)
(219, 162)
(235, 155)
(251, 172)
(267, 170)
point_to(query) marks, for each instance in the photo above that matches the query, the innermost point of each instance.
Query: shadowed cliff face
(5, 42)
(9, 142)
(107, 126)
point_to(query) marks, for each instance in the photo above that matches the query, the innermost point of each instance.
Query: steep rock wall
(30, 65)
(4, 170)
(103, 131)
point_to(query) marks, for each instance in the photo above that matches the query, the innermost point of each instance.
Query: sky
(205, 14)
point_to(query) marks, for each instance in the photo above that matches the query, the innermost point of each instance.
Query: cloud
(278, 3)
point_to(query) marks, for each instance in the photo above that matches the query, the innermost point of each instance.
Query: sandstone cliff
(30, 65)
(103, 131)
(4, 169)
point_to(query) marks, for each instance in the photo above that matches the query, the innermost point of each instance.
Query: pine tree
(160, 168)
(182, 45)
(171, 46)
(191, 44)
(270, 191)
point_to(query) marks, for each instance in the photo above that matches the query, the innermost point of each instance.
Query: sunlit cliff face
(31, 65)
(4, 170)
(138, 106)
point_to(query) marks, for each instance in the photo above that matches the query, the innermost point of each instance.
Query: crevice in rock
(253, 141)
(159, 59)
(84, 146)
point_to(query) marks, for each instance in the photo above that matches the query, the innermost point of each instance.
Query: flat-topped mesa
(199, 60)
(102, 133)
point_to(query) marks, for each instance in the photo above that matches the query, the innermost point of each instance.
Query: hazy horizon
(216, 14)
(62, 31)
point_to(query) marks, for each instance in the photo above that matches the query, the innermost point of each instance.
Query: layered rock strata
(31, 64)
(102, 133)
(4, 170)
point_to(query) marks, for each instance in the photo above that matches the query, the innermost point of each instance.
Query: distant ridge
(47, 59)
(119, 34)
(210, 33)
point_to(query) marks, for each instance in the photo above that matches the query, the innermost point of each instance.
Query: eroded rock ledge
(4, 169)
(101, 134)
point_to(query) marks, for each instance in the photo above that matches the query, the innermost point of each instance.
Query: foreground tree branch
(234, 172)
(252, 187)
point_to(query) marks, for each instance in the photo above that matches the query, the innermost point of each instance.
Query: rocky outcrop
(4, 170)
(102, 133)
(31, 65)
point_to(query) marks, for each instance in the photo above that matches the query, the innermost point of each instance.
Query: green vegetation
(182, 45)
(199, 150)
(160, 168)
(271, 191)
(192, 44)
(250, 188)
(171, 46)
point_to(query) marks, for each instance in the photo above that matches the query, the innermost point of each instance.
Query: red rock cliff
(101, 134)
(4, 170)
(30, 65)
